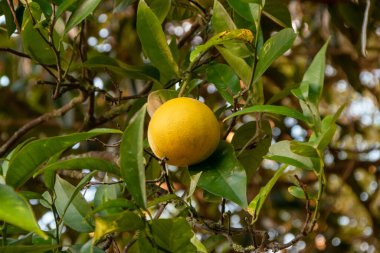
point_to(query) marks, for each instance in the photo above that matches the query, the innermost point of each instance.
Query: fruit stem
(183, 87)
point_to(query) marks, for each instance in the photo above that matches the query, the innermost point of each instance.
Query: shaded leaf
(223, 175)
(303, 149)
(278, 12)
(114, 204)
(25, 162)
(249, 11)
(154, 43)
(160, 8)
(75, 215)
(28, 248)
(224, 79)
(163, 198)
(132, 158)
(298, 192)
(16, 210)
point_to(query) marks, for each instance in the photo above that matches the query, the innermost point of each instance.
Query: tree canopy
(295, 88)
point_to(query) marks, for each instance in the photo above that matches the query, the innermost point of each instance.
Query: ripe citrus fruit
(184, 131)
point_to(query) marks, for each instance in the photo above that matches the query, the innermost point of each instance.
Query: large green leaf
(171, 235)
(275, 109)
(273, 48)
(75, 215)
(79, 163)
(223, 175)
(106, 193)
(225, 80)
(254, 207)
(243, 35)
(145, 72)
(132, 158)
(16, 210)
(282, 152)
(125, 221)
(35, 42)
(154, 43)
(27, 160)
(85, 8)
(65, 5)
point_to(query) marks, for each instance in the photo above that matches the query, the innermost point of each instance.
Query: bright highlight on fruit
(184, 131)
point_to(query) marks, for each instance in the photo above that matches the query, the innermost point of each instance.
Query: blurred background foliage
(350, 212)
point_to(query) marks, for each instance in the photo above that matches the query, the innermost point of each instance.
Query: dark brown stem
(11, 7)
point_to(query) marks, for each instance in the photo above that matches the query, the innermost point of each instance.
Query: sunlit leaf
(85, 8)
(223, 175)
(273, 48)
(16, 210)
(132, 158)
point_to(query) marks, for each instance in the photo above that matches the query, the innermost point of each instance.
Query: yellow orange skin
(184, 131)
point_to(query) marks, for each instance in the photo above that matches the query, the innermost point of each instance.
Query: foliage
(242, 58)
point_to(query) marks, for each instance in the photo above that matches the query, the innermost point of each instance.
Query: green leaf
(249, 11)
(281, 152)
(85, 8)
(28, 248)
(132, 158)
(65, 5)
(313, 78)
(251, 157)
(160, 8)
(240, 67)
(297, 192)
(303, 149)
(145, 72)
(278, 12)
(78, 188)
(106, 193)
(79, 163)
(223, 175)
(173, 235)
(25, 162)
(273, 48)
(198, 244)
(164, 198)
(125, 221)
(254, 207)
(16, 210)
(275, 109)
(221, 21)
(244, 35)
(154, 43)
(224, 79)
(75, 216)
(35, 43)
